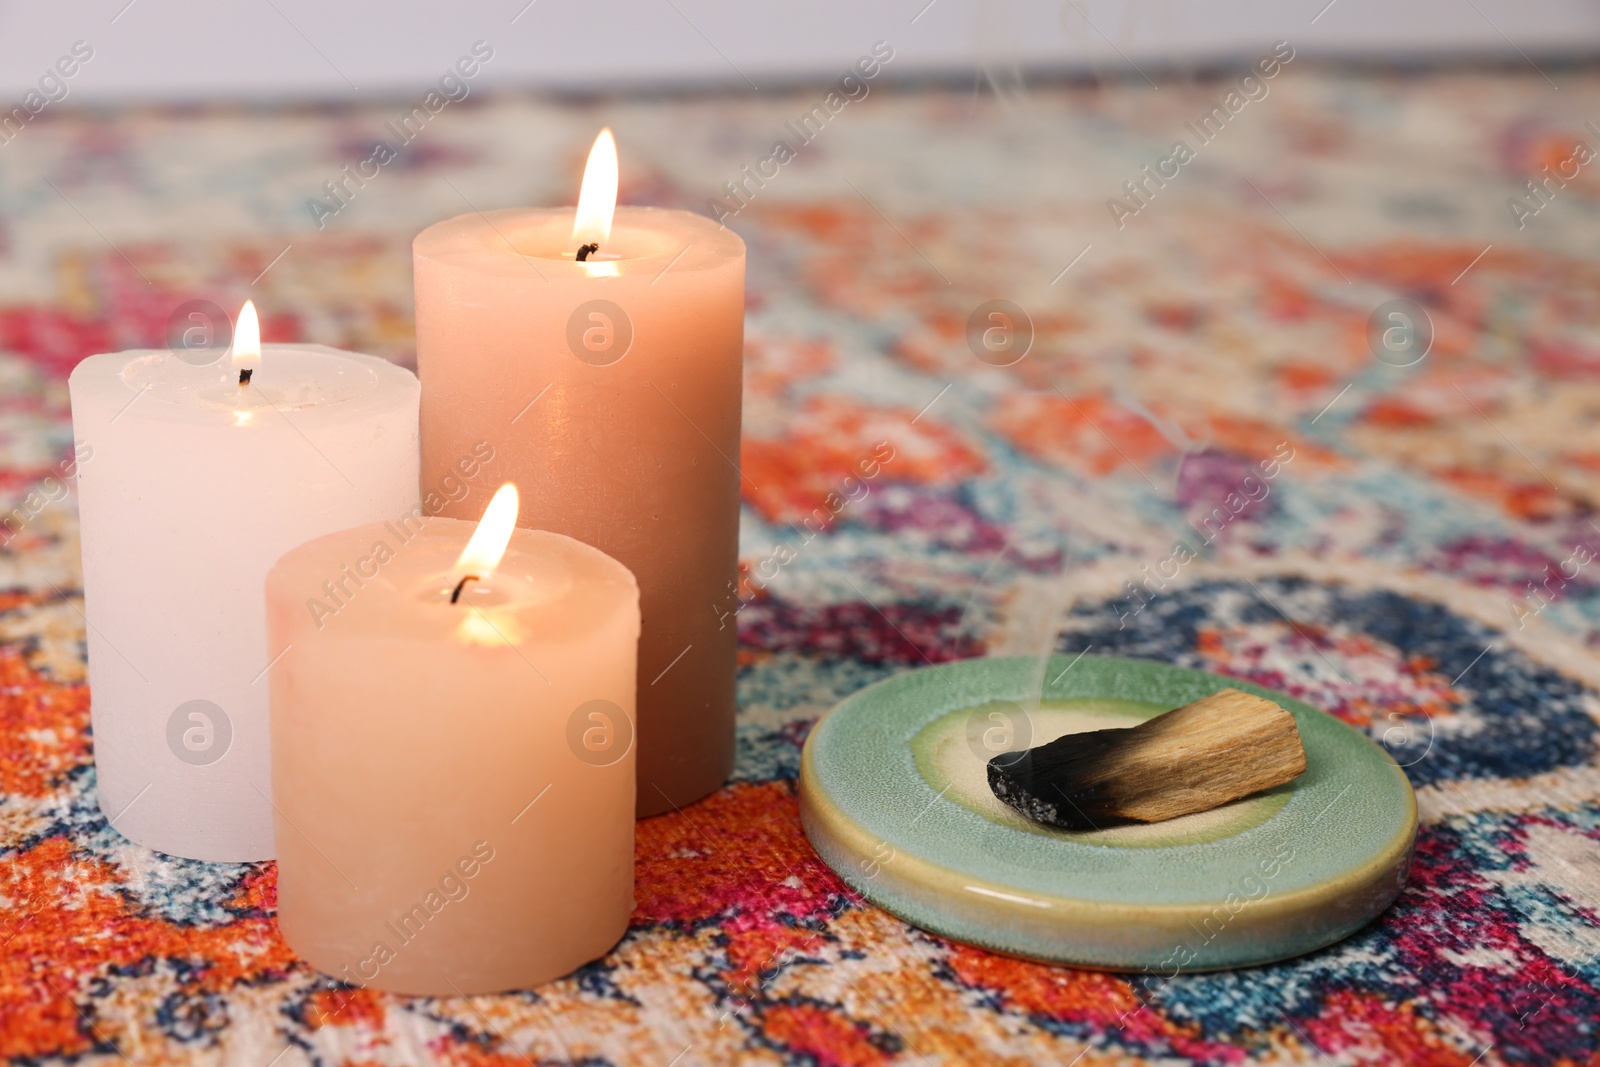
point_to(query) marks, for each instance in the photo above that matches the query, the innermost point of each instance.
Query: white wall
(164, 49)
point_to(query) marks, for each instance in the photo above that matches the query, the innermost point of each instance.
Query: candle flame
(489, 540)
(247, 339)
(597, 199)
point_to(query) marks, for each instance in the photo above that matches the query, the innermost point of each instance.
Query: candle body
(455, 782)
(189, 492)
(611, 392)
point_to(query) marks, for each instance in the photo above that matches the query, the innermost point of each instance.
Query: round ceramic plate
(895, 797)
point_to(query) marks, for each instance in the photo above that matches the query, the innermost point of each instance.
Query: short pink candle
(610, 391)
(453, 781)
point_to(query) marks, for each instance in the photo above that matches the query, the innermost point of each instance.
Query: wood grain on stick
(1218, 749)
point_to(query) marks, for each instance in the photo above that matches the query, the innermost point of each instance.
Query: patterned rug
(1420, 562)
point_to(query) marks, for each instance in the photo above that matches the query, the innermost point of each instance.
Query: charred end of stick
(1015, 779)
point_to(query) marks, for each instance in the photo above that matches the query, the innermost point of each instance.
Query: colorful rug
(1420, 561)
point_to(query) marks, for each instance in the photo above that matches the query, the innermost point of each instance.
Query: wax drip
(244, 375)
(587, 250)
(455, 596)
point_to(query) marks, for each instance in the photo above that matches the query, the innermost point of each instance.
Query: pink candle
(452, 752)
(609, 389)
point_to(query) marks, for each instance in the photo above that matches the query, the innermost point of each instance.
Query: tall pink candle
(610, 390)
(453, 782)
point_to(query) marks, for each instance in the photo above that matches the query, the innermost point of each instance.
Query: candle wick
(587, 250)
(244, 376)
(455, 596)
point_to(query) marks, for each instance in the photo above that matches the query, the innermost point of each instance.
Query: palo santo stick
(1223, 747)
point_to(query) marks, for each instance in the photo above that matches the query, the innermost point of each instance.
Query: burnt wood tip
(1218, 749)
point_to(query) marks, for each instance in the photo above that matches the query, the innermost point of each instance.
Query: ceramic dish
(895, 798)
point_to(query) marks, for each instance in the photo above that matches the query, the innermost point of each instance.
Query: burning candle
(600, 352)
(453, 753)
(192, 479)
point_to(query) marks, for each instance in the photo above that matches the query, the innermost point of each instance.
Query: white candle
(196, 485)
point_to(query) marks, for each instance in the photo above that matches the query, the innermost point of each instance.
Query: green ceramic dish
(894, 797)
